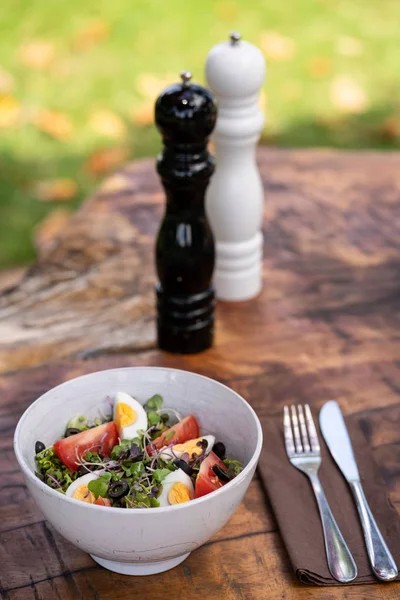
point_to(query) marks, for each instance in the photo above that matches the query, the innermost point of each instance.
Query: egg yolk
(83, 493)
(124, 415)
(179, 493)
(191, 447)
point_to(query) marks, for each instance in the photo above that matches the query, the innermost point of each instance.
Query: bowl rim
(195, 502)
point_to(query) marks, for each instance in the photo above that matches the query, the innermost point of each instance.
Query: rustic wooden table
(325, 326)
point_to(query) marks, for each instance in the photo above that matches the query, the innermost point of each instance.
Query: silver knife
(338, 441)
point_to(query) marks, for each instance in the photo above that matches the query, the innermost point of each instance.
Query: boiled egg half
(129, 416)
(177, 488)
(190, 447)
(79, 489)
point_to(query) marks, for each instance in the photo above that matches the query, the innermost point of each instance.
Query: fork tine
(295, 424)
(312, 432)
(287, 432)
(303, 429)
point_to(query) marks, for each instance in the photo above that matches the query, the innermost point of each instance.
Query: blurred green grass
(305, 44)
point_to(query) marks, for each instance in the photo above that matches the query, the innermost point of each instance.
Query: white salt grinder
(235, 71)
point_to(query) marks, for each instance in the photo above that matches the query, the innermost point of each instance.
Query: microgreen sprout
(234, 467)
(81, 423)
(169, 435)
(54, 480)
(154, 403)
(99, 486)
(165, 411)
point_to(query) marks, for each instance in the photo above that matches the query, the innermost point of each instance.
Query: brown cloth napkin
(296, 511)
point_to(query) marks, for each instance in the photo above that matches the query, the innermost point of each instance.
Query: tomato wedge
(98, 439)
(207, 481)
(103, 501)
(185, 430)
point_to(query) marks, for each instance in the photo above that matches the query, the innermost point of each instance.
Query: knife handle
(381, 560)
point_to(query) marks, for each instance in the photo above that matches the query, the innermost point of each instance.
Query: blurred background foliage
(78, 82)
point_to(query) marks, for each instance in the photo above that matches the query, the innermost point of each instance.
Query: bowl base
(140, 568)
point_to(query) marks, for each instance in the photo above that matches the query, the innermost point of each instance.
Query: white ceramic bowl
(141, 541)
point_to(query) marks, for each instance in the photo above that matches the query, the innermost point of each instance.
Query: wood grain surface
(325, 326)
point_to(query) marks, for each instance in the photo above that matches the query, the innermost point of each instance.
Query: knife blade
(337, 438)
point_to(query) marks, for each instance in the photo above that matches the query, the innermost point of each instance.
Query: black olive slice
(118, 489)
(71, 431)
(39, 447)
(219, 450)
(221, 473)
(181, 464)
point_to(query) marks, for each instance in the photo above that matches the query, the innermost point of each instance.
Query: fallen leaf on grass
(48, 229)
(319, 67)
(37, 54)
(62, 69)
(6, 82)
(277, 47)
(144, 114)
(349, 46)
(9, 112)
(105, 160)
(92, 33)
(347, 95)
(390, 128)
(115, 183)
(56, 190)
(150, 86)
(55, 123)
(107, 123)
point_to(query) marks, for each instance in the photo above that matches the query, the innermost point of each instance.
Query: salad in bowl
(136, 457)
(137, 479)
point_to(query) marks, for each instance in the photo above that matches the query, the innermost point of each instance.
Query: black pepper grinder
(185, 115)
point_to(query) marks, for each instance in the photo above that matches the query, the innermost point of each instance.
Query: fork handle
(340, 562)
(381, 560)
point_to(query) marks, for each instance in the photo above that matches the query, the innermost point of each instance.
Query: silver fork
(303, 450)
